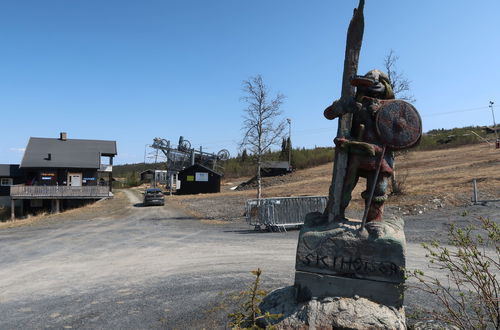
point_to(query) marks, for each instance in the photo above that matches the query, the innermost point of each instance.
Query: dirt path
(146, 267)
(118, 265)
(133, 198)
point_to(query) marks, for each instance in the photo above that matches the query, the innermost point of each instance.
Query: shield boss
(398, 124)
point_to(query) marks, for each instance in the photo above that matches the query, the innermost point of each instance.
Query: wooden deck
(59, 192)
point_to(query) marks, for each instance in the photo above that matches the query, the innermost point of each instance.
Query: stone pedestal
(336, 260)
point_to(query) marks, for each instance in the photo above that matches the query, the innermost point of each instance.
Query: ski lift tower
(183, 155)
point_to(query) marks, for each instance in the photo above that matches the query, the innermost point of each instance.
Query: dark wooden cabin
(67, 170)
(147, 176)
(274, 168)
(10, 174)
(198, 179)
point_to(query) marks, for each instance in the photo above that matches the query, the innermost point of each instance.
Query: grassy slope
(305, 158)
(437, 178)
(444, 174)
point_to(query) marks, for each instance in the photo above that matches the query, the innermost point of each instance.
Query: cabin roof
(70, 153)
(199, 167)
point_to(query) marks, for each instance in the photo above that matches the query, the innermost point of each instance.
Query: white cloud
(17, 150)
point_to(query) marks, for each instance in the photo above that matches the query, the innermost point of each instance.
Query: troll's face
(373, 84)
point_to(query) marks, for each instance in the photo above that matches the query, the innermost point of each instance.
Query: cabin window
(201, 176)
(6, 182)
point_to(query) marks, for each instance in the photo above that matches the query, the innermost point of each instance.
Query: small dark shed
(492, 129)
(198, 179)
(273, 168)
(147, 176)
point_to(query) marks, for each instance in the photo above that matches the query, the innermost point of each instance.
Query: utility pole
(494, 124)
(154, 173)
(145, 148)
(289, 141)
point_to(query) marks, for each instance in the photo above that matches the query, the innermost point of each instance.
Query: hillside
(302, 158)
(445, 174)
(432, 179)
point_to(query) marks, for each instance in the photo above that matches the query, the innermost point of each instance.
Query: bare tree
(262, 124)
(400, 84)
(401, 87)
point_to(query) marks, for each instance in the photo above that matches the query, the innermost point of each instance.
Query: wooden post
(474, 191)
(54, 207)
(110, 179)
(111, 174)
(351, 59)
(12, 209)
(171, 182)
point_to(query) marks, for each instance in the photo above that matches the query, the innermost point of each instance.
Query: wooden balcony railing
(60, 192)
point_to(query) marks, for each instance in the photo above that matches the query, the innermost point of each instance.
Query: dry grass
(98, 210)
(439, 174)
(449, 173)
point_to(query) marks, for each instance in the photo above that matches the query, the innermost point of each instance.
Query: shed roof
(200, 167)
(70, 153)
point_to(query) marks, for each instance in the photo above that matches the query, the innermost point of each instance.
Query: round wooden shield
(398, 124)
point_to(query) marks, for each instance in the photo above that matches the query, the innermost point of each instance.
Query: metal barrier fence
(280, 212)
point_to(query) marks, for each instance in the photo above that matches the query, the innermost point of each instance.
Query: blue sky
(134, 70)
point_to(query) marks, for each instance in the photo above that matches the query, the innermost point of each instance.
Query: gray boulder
(330, 312)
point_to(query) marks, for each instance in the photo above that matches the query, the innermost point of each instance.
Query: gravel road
(152, 267)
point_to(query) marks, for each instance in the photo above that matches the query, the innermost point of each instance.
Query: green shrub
(306, 158)
(301, 158)
(470, 296)
(132, 180)
(446, 138)
(249, 312)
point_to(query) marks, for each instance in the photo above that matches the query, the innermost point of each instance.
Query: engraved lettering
(358, 264)
(394, 269)
(308, 259)
(382, 268)
(349, 263)
(322, 260)
(346, 264)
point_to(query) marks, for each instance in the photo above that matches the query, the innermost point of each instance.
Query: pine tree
(283, 153)
(244, 156)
